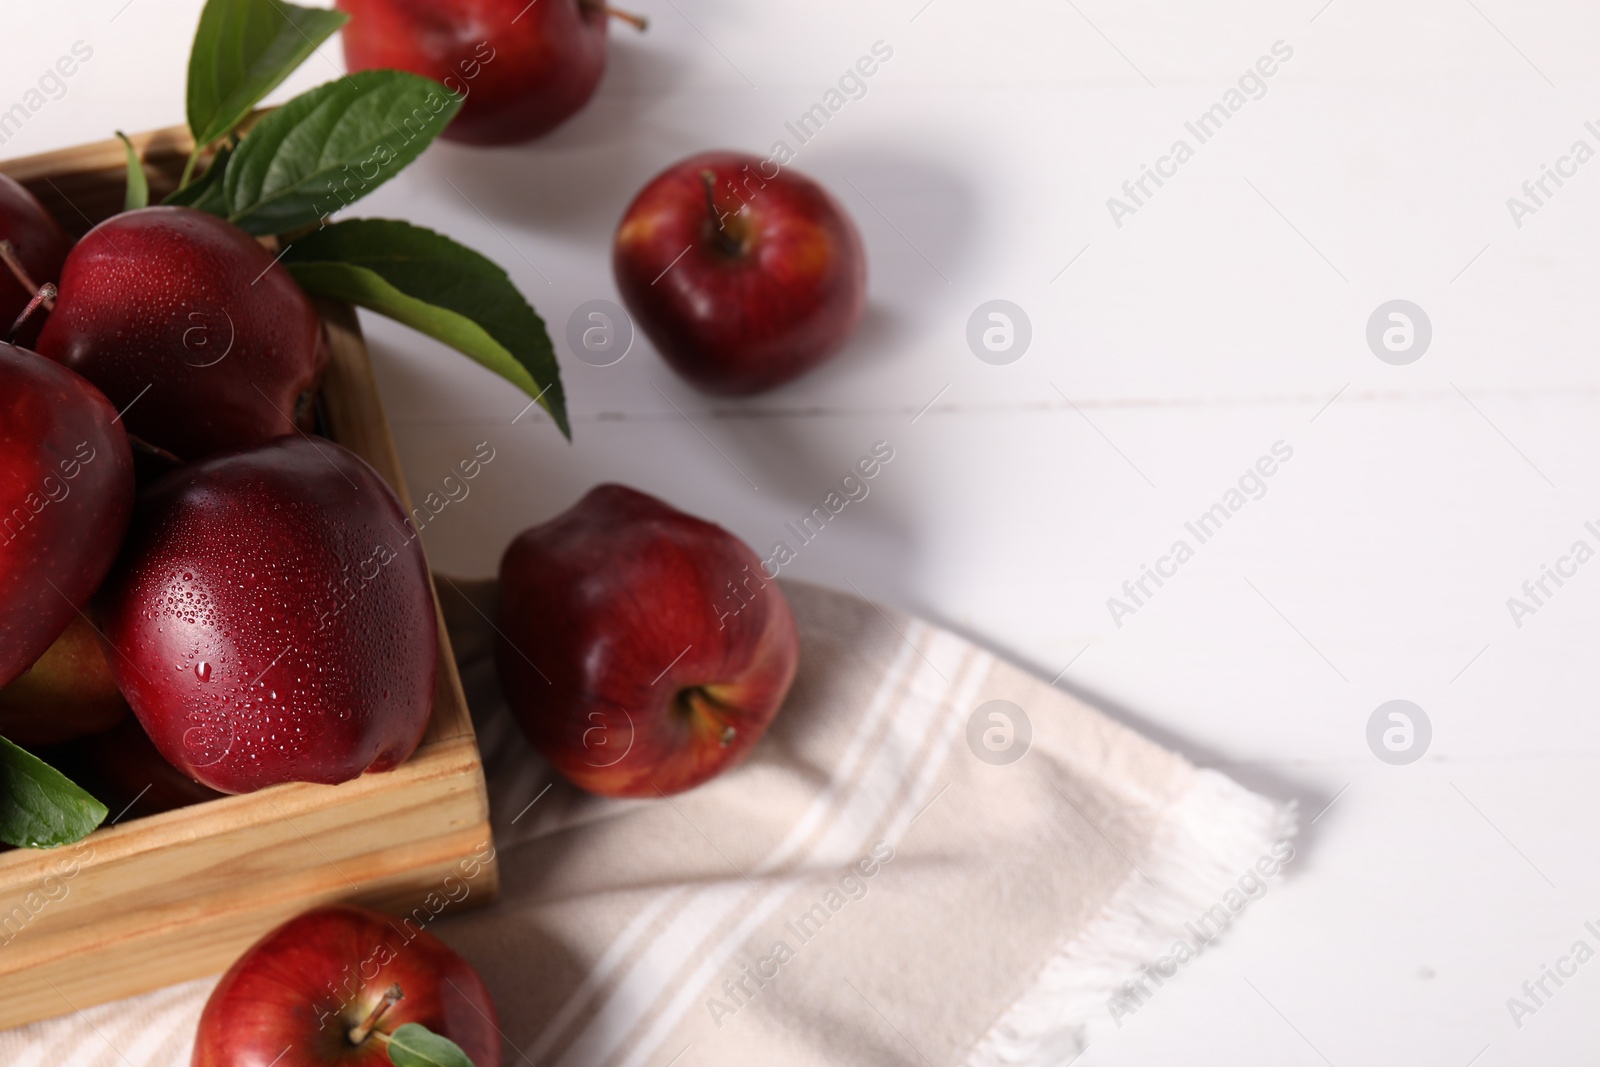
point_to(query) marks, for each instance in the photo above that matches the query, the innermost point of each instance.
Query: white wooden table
(1226, 313)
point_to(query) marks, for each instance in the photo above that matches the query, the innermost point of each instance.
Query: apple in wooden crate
(66, 492)
(273, 620)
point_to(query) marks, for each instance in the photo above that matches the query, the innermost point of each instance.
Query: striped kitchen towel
(932, 858)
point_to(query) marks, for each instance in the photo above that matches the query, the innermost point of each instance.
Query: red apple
(303, 994)
(272, 619)
(38, 247)
(127, 773)
(69, 692)
(741, 278)
(66, 491)
(643, 651)
(523, 67)
(184, 321)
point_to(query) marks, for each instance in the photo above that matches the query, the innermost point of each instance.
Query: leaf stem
(138, 194)
(189, 165)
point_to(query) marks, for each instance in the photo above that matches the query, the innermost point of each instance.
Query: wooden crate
(179, 895)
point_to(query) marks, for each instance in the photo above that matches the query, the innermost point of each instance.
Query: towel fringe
(1208, 840)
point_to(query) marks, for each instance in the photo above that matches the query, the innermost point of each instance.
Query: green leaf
(331, 146)
(414, 1045)
(205, 193)
(138, 194)
(39, 806)
(242, 51)
(439, 287)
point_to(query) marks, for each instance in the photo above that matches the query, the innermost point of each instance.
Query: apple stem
(392, 996)
(724, 239)
(8, 255)
(46, 296)
(638, 22)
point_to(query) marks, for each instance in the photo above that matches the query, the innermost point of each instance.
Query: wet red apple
(66, 491)
(38, 247)
(742, 275)
(184, 322)
(320, 991)
(643, 650)
(272, 619)
(524, 68)
(68, 692)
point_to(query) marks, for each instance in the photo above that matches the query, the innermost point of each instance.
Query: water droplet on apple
(207, 742)
(728, 735)
(202, 671)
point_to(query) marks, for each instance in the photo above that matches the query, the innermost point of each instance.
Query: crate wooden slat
(181, 894)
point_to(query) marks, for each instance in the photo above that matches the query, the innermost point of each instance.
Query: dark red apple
(303, 994)
(38, 247)
(69, 692)
(128, 774)
(66, 491)
(643, 651)
(742, 275)
(184, 321)
(524, 68)
(272, 619)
